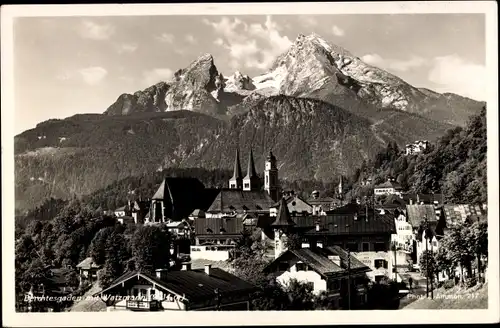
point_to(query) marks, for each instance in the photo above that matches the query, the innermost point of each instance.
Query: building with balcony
(185, 290)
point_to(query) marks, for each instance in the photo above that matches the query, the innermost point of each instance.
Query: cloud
(253, 46)
(454, 74)
(190, 39)
(394, 64)
(127, 48)
(219, 42)
(92, 30)
(165, 37)
(156, 75)
(93, 75)
(308, 21)
(337, 31)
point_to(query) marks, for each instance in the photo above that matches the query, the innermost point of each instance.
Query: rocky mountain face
(311, 68)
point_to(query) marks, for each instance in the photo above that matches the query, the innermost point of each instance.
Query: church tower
(282, 227)
(236, 182)
(271, 177)
(251, 181)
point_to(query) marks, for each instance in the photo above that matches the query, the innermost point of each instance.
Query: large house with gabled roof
(184, 290)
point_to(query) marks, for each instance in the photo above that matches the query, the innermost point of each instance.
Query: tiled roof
(230, 200)
(349, 219)
(320, 201)
(318, 260)
(218, 226)
(87, 264)
(417, 213)
(455, 214)
(193, 284)
(425, 198)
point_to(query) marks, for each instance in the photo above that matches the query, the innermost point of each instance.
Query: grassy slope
(454, 298)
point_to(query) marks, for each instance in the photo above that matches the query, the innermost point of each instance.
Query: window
(136, 292)
(267, 179)
(379, 247)
(366, 247)
(247, 185)
(378, 278)
(380, 263)
(301, 266)
(333, 285)
(152, 294)
(144, 292)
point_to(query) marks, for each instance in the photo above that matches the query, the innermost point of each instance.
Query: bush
(449, 284)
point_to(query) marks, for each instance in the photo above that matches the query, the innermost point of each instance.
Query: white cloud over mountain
(250, 45)
(337, 31)
(454, 74)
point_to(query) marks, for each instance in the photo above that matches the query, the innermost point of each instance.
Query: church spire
(251, 173)
(251, 181)
(236, 182)
(237, 167)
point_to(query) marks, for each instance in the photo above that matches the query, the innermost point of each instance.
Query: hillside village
(325, 183)
(338, 249)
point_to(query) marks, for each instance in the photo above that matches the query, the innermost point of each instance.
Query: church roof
(283, 218)
(251, 172)
(237, 167)
(236, 200)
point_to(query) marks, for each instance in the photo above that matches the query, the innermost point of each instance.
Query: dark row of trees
(68, 239)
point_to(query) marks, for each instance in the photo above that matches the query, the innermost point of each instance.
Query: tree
(97, 249)
(151, 247)
(300, 295)
(428, 264)
(293, 241)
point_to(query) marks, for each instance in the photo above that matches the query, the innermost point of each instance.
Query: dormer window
(258, 207)
(245, 208)
(209, 230)
(222, 230)
(232, 208)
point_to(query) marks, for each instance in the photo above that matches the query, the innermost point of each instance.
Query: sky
(70, 65)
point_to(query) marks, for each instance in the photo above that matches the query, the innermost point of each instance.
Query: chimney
(161, 273)
(208, 267)
(335, 259)
(186, 266)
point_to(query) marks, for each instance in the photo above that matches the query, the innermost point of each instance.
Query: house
(458, 213)
(416, 147)
(416, 217)
(50, 297)
(329, 270)
(236, 201)
(296, 206)
(184, 290)
(123, 211)
(140, 209)
(320, 205)
(366, 232)
(404, 236)
(87, 269)
(390, 187)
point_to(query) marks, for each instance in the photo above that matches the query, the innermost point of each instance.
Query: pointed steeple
(283, 218)
(237, 167)
(236, 182)
(251, 172)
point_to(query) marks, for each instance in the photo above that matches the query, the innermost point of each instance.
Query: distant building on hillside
(416, 147)
(296, 206)
(390, 187)
(320, 205)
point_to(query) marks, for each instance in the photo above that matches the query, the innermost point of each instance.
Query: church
(245, 204)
